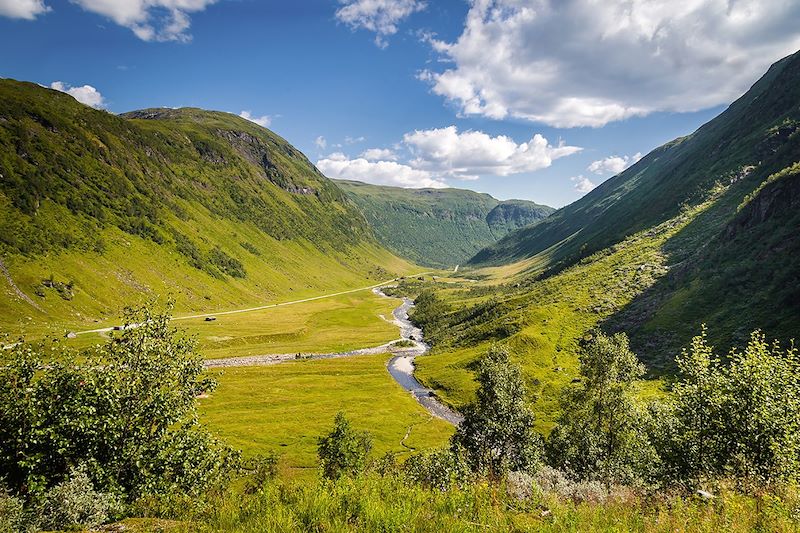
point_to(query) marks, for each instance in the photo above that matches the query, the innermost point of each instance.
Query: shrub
(128, 412)
(497, 433)
(261, 469)
(740, 419)
(601, 432)
(12, 513)
(440, 469)
(76, 503)
(344, 450)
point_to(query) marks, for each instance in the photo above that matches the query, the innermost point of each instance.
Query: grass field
(284, 408)
(341, 323)
(349, 321)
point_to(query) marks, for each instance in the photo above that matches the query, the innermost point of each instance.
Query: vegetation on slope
(439, 227)
(702, 230)
(96, 209)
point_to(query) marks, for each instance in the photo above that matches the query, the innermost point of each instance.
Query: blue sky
(413, 93)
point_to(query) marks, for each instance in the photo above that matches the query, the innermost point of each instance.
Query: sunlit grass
(285, 408)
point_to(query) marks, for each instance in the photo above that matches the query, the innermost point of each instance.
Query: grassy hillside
(98, 211)
(439, 227)
(702, 230)
(753, 138)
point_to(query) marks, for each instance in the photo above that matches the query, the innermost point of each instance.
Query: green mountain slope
(439, 227)
(750, 135)
(736, 266)
(98, 211)
(702, 230)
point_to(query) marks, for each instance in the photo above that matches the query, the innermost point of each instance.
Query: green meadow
(359, 319)
(283, 409)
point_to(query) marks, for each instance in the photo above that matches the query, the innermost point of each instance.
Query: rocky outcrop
(777, 197)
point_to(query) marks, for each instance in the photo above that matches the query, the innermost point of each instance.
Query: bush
(601, 433)
(740, 419)
(76, 503)
(497, 433)
(12, 513)
(344, 450)
(261, 470)
(128, 412)
(439, 470)
(552, 481)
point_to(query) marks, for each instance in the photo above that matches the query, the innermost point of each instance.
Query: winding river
(400, 367)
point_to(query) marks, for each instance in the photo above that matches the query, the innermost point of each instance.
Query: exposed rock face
(774, 199)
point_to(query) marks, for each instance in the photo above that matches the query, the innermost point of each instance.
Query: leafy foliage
(75, 503)
(497, 433)
(600, 433)
(737, 418)
(344, 451)
(127, 412)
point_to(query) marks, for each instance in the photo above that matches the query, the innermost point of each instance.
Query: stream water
(401, 366)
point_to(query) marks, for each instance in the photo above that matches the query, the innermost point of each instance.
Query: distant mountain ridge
(202, 204)
(439, 227)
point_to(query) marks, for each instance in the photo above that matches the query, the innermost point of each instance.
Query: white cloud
(263, 121)
(583, 185)
(321, 142)
(22, 9)
(470, 154)
(150, 20)
(378, 16)
(376, 154)
(339, 166)
(354, 140)
(444, 153)
(614, 164)
(85, 94)
(571, 63)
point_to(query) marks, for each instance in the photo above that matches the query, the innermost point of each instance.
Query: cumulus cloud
(377, 154)
(445, 153)
(85, 94)
(570, 63)
(150, 20)
(582, 184)
(613, 164)
(339, 166)
(22, 9)
(263, 121)
(471, 154)
(378, 16)
(321, 142)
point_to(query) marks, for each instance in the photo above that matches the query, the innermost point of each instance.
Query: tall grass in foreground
(374, 503)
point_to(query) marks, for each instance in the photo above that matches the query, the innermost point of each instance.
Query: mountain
(439, 227)
(736, 266)
(98, 211)
(703, 230)
(753, 138)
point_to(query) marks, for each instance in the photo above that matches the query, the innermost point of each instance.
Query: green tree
(762, 408)
(497, 433)
(697, 449)
(344, 450)
(127, 412)
(601, 431)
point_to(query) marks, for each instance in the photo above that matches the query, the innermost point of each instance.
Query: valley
(323, 347)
